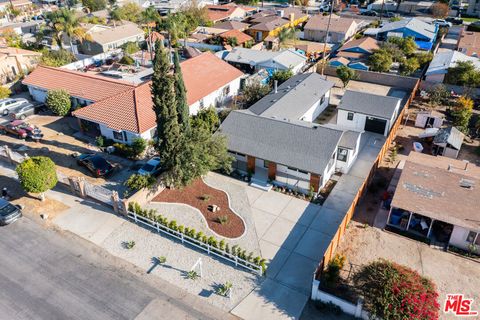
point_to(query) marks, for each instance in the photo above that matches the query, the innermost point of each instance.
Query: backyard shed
(429, 119)
(448, 142)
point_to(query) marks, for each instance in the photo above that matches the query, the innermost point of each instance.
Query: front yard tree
(463, 73)
(37, 175)
(462, 113)
(346, 74)
(440, 10)
(164, 105)
(281, 76)
(392, 291)
(181, 96)
(58, 101)
(253, 92)
(409, 66)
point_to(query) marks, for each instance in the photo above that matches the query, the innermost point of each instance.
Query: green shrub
(130, 244)
(223, 289)
(138, 146)
(192, 275)
(223, 220)
(162, 259)
(138, 182)
(58, 101)
(56, 58)
(100, 141)
(37, 174)
(331, 276)
(4, 92)
(127, 60)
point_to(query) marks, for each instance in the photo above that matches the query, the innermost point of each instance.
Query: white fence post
(208, 249)
(135, 216)
(181, 235)
(236, 261)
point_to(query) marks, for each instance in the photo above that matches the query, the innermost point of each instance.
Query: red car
(22, 130)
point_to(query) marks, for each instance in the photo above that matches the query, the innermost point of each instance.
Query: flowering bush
(392, 291)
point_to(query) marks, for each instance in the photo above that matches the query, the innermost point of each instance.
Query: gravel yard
(451, 273)
(180, 260)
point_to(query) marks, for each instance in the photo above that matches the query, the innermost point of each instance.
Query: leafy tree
(206, 119)
(281, 76)
(58, 101)
(127, 60)
(394, 51)
(5, 92)
(346, 74)
(168, 129)
(130, 47)
(116, 15)
(254, 91)
(182, 108)
(181, 23)
(287, 34)
(65, 22)
(94, 5)
(138, 182)
(37, 175)
(131, 12)
(407, 45)
(439, 10)
(462, 113)
(409, 66)
(437, 94)
(463, 74)
(139, 145)
(232, 41)
(424, 57)
(56, 58)
(380, 61)
(392, 291)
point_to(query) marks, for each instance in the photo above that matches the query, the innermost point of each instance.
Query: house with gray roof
(444, 60)
(276, 139)
(448, 142)
(250, 60)
(422, 32)
(302, 97)
(361, 111)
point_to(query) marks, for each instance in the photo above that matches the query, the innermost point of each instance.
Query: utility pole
(324, 60)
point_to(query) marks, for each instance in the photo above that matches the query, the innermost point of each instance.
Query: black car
(454, 20)
(96, 164)
(8, 212)
(370, 13)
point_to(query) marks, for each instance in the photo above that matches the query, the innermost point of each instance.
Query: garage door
(375, 125)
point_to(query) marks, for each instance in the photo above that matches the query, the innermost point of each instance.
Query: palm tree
(149, 16)
(64, 22)
(287, 34)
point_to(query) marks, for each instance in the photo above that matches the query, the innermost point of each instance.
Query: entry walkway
(294, 235)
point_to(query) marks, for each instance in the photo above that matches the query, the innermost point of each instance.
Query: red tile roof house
(122, 111)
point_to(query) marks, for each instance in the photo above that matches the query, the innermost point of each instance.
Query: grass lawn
(470, 20)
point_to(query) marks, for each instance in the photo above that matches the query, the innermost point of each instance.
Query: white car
(152, 167)
(442, 23)
(8, 105)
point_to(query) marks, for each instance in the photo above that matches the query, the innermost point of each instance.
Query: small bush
(100, 141)
(58, 101)
(138, 182)
(332, 275)
(205, 197)
(127, 60)
(4, 92)
(223, 220)
(138, 146)
(161, 259)
(223, 289)
(192, 275)
(130, 244)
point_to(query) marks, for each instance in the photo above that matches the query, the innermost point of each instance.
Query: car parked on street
(9, 104)
(152, 167)
(23, 111)
(369, 13)
(454, 20)
(442, 23)
(21, 129)
(96, 164)
(390, 15)
(9, 212)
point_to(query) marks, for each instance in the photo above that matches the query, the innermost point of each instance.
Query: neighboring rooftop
(337, 24)
(435, 192)
(301, 145)
(239, 35)
(421, 27)
(231, 24)
(369, 104)
(293, 98)
(269, 24)
(9, 51)
(450, 135)
(113, 34)
(454, 165)
(268, 59)
(358, 48)
(448, 59)
(78, 84)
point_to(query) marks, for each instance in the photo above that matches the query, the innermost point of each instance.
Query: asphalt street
(49, 274)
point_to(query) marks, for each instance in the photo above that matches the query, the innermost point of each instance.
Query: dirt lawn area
(59, 144)
(451, 273)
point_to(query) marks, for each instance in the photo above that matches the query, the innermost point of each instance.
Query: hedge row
(223, 246)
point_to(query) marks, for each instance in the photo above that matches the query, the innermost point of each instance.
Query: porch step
(262, 185)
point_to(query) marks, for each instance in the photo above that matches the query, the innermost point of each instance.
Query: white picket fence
(222, 254)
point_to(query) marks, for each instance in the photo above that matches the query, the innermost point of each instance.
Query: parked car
(23, 111)
(96, 164)
(390, 15)
(283, 5)
(6, 105)
(152, 167)
(454, 20)
(325, 7)
(9, 212)
(370, 13)
(21, 129)
(442, 23)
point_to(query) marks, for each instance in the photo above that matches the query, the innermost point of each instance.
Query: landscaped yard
(225, 222)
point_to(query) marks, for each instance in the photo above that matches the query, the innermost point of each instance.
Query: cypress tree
(163, 96)
(181, 96)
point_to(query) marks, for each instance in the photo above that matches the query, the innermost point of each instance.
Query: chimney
(275, 85)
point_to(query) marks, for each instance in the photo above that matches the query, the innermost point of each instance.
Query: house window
(342, 154)
(322, 100)
(471, 237)
(226, 91)
(266, 163)
(202, 105)
(118, 135)
(350, 116)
